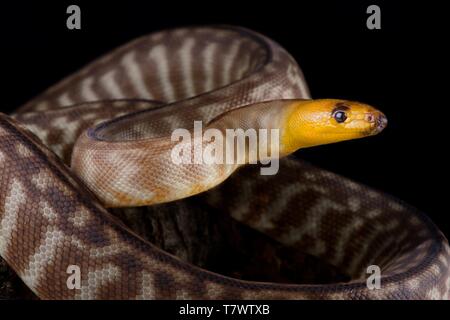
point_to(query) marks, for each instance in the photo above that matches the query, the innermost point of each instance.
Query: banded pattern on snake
(51, 217)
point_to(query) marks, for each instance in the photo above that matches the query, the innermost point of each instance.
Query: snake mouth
(378, 124)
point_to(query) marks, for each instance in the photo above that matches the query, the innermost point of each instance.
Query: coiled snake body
(49, 218)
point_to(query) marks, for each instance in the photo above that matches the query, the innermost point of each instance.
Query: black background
(401, 69)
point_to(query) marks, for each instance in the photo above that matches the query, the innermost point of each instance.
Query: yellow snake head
(323, 121)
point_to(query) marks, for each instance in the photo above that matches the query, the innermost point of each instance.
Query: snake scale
(53, 216)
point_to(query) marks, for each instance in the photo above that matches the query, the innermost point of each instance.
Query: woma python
(53, 216)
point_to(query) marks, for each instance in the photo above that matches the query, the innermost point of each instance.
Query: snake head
(323, 121)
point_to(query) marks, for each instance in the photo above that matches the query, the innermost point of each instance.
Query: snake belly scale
(53, 216)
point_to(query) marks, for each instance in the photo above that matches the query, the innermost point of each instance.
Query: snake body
(51, 217)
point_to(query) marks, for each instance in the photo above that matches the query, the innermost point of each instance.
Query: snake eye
(340, 116)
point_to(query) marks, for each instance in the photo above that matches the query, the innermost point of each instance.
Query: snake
(102, 138)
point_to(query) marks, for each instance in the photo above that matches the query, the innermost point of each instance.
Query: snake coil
(49, 218)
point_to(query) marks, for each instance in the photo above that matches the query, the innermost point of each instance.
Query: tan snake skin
(49, 219)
